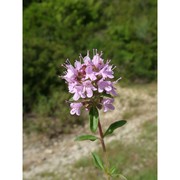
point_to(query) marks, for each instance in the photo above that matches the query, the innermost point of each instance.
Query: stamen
(93, 52)
(80, 57)
(68, 62)
(64, 65)
(88, 53)
(108, 61)
(118, 80)
(113, 67)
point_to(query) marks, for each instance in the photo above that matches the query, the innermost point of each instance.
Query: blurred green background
(54, 30)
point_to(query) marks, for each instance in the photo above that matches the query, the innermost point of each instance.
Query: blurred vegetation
(56, 30)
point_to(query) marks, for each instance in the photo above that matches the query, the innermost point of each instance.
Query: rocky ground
(40, 155)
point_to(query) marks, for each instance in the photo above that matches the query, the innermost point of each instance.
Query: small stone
(48, 151)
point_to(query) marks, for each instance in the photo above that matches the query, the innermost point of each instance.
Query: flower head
(90, 81)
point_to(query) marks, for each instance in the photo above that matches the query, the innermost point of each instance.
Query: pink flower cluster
(90, 82)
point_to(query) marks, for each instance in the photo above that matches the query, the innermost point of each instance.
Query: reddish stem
(103, 146)
(101, 136)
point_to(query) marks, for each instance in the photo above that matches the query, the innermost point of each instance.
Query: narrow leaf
(93, 117)
(86, 137)
(120, 176)
(98, 161)
(112, 170)
(71, 99)
(114, 126)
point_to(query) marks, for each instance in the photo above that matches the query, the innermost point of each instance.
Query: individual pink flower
(87, 60)
(112, 91)
(90, 74)
(77, 65)
(104, 86)
(76, 108)
(70, 74)
(78, 92)
(106, 72)
(107, 104)
(98, 61)
(88, 88)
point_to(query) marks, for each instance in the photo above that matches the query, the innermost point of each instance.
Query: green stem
(103, 146)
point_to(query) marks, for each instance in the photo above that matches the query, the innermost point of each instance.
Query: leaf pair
(94, 118)
(111, 172)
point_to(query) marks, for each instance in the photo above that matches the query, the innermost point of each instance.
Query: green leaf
(113, 173)
(120, 176)
(112, 170)
(114, 126)
(71, 99)
(86, 137)
(98, 161)
(93, 117)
